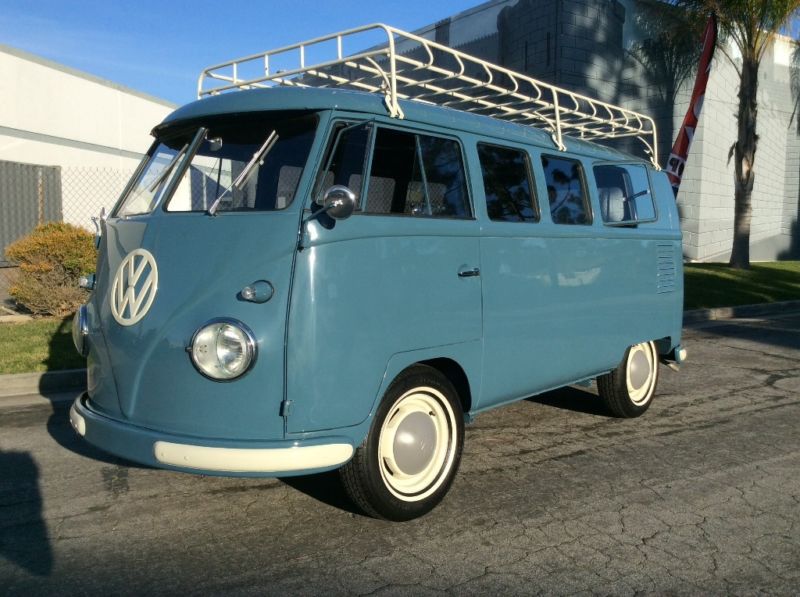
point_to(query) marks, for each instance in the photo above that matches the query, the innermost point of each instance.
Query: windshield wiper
(241, 180)
(165, 172)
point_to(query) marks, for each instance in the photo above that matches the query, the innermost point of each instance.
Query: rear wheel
(409, 459)
(629, 389)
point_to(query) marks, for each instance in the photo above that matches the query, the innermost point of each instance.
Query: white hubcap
(640, 372)
(417, 444)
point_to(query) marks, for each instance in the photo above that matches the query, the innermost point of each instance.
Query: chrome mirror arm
(338, 202)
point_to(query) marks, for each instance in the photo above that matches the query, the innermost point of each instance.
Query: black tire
(628, 390)
(375, 480)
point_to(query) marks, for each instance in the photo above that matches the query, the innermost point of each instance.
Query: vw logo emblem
(134, 287)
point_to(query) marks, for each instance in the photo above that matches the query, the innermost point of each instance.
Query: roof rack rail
(402, 65)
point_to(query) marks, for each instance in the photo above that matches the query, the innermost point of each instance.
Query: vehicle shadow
(573, 398)
(60, 429)
(325, 488)
(23, 531)
(328, 489)
(58, 425)
(778, 330)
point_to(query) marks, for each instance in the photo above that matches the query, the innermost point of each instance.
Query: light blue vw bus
(318, 267)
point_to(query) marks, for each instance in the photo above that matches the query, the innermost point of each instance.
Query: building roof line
(74, 143)
(82, 75)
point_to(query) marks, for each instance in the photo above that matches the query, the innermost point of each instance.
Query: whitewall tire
(409, 459)
(628, 390)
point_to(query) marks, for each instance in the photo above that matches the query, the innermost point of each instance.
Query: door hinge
(286, 408)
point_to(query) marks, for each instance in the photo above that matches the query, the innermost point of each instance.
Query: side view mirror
(339, 202)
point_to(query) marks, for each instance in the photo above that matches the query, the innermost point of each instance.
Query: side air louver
(665, 268)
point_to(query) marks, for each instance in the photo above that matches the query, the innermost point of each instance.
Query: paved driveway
(702, 494)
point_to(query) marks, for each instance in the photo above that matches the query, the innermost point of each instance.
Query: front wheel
(628, 390)
(409, 459)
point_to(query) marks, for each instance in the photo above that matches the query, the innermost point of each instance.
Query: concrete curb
(42, 383)
(15, 318)
(75, 379)
(721, 313)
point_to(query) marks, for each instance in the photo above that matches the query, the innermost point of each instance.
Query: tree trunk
(744, 157)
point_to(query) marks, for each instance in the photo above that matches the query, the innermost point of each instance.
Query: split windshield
(232, 163)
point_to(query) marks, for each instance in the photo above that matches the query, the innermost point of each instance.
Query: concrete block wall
(774, 183)
(769, 191)
(590, 43)
(487, 47)
(790, 222)
(689, 197)
(712, 195)
(707, 192)
(528, 34)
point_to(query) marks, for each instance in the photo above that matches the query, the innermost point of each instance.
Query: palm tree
(752, 26)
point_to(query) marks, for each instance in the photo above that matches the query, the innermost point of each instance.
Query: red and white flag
(680, 150)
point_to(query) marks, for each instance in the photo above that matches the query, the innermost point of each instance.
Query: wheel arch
(456, 376)
(664, 345)
(459, 363)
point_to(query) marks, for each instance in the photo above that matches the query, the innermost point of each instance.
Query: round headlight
(223, 349)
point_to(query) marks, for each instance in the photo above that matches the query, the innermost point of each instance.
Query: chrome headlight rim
(251, 348)
(80, 330)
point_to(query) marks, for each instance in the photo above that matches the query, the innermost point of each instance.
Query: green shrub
(51, 260)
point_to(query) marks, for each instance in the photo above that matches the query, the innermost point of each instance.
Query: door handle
(469, 273)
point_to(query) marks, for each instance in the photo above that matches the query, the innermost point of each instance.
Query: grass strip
(710, 285)
(38, 345)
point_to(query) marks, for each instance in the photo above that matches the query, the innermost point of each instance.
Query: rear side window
(624, 193)
(507, 184)
(566, 190)
(417, 175)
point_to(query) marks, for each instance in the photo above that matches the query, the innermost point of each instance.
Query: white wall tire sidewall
(642, 395)
(415, 488)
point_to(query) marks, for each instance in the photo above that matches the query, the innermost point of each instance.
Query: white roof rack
(402, 65)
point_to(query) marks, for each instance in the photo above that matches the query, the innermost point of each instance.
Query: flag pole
(680, 149)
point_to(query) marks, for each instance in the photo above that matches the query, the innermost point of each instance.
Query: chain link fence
(31, 195)
(87, 190)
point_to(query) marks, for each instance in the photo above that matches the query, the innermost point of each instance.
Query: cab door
(400, 275)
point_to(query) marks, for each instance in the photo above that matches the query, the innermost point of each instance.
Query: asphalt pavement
(699, 496)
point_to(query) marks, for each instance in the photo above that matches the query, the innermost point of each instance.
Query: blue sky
(160, 47)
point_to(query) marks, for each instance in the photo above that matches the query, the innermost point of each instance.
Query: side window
(507, 184)
(624, 193)
(345, 162)
(416, 175)
(566, 190)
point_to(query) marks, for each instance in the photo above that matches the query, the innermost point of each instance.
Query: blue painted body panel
(369, 289)
(371, 295)
(156, 384)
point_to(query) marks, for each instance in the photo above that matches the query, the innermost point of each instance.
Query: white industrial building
(94, 130)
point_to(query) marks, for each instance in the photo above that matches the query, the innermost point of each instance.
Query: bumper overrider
(208, 456)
